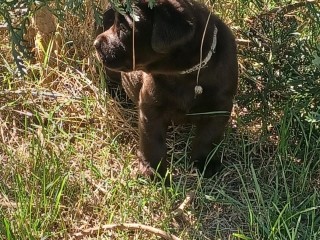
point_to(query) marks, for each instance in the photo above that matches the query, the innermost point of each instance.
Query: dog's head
(157, 32)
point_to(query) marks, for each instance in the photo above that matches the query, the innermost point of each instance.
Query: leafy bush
(280, 67)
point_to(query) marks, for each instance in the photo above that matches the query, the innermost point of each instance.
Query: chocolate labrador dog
(178, 63)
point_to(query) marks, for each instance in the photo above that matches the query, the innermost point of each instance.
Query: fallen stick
(184, 204)
(36, 93)
(128, 226)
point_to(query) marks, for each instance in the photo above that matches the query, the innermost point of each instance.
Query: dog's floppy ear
(107, 21)
(172, 26)
(108, 18)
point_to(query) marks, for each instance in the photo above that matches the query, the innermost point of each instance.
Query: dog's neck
(205, 61)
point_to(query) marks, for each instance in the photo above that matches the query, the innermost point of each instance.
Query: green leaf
(316, 60)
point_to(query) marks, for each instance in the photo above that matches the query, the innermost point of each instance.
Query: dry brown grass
(60, 132)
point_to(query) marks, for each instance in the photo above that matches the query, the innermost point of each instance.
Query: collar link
(204, 63)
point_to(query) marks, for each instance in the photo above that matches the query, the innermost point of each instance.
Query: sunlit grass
(68, 151)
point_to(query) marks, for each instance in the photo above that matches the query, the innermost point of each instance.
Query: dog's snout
(97, 43)
(100, 42)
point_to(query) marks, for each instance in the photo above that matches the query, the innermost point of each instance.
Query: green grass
(67, 151)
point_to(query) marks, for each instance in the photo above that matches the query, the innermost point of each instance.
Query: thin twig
(38, 94)
(128, 226)
(241, 41)
(3, 27)
(133, 40)
(8, 204)
(284, 9)
(99, 188)
(201, 48)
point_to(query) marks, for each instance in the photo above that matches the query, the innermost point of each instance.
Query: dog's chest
(174, 95)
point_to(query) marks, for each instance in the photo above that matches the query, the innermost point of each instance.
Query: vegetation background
(67, 151)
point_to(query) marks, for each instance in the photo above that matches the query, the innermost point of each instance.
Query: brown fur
(168, 41)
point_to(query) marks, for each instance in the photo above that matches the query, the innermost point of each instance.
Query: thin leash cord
(133, 41)
(201, 47)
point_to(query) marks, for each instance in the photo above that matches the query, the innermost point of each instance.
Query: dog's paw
(142, 169)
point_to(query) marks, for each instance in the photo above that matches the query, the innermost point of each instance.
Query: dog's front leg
(152, 133)
(209, 133)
